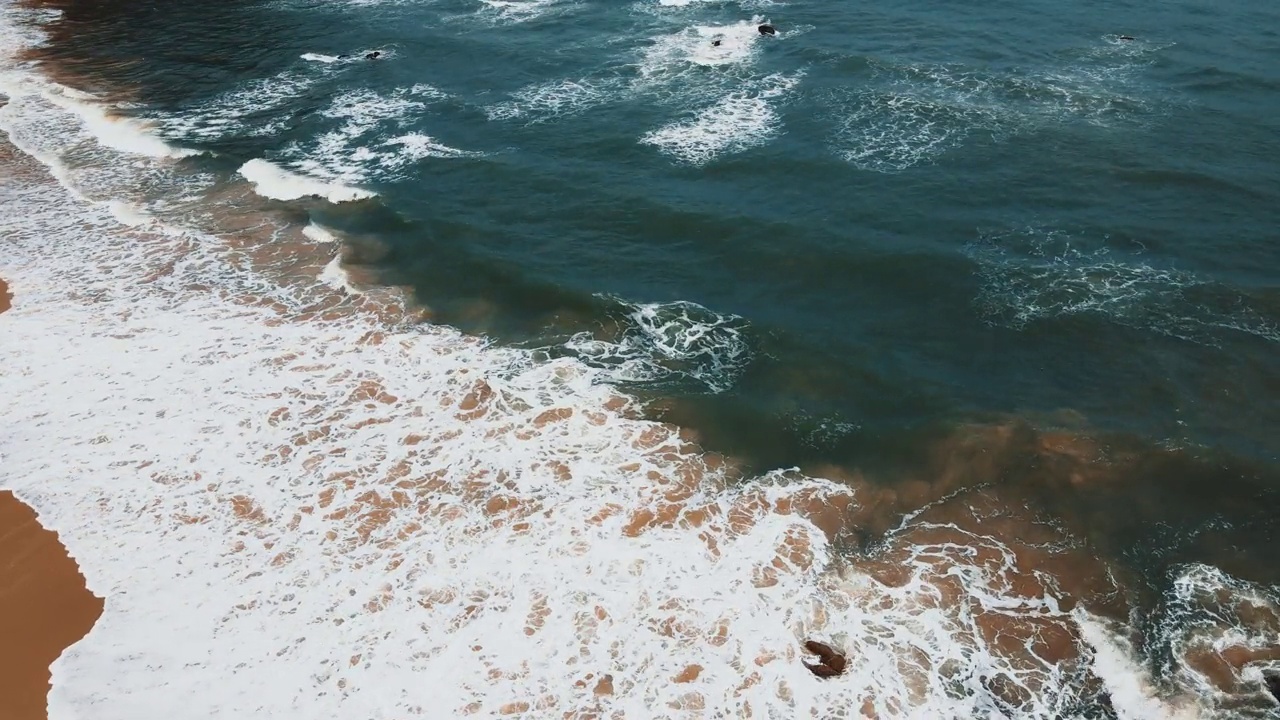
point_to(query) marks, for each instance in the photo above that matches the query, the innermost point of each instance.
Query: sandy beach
(44, 605)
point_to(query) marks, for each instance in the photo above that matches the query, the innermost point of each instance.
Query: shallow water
(997, 282)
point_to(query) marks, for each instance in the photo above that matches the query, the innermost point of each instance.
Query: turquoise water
(827, 248)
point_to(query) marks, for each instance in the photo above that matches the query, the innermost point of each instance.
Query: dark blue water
(811, 247)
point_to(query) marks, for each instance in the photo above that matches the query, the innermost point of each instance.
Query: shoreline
(377, 493)
(44, 607)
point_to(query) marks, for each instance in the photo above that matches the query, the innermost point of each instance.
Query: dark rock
(821, 670)
(715, 43)
(832, 663)
(1126, 37)
(767, 30)
(1273, 684)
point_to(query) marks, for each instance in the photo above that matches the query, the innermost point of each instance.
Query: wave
(373, 138)
(327, 501)
(273, 181)
(739, 121)
(661, 343)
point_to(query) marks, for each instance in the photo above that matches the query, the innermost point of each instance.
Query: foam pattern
(544, 102)
(298, 502)
(911, 114)
(1217, 634)
(338, 516)
(661, 343)
(738, 121)
(1033, 274)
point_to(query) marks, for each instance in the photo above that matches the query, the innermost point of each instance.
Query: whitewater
(300, 499)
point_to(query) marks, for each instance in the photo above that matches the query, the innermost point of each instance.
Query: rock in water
(767, 30)
(1273, 684)
(822, 671)
(832, 663)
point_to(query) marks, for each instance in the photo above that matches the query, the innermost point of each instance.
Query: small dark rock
(767, 30)
(715, 43)
(822, 670)
(1273, 684)
(832, 663)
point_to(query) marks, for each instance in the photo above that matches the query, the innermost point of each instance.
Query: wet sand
(44, 607)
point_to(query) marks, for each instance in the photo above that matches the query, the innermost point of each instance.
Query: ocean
(572, 359)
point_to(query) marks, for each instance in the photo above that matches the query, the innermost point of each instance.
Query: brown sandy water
(44, 607)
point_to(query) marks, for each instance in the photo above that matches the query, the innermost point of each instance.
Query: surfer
(373, 55)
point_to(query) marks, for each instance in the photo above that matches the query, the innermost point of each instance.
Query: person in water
(767, 30)
(1126, 37)
(373, 55)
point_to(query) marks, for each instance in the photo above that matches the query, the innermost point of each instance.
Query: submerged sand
(44, 605)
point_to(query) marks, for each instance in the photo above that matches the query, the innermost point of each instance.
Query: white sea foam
(320, 57)
(320, 234)
(544, 102)
(911, 114)
(669, 342)
(1033, 274)
(738, 121)
(1209, 616)
(523, 10)
(326, 511)
(369, 142)
(241, 112)
(1129, 685)
(272, 181)
(335, 276)
(304, 514)
(684, 56)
